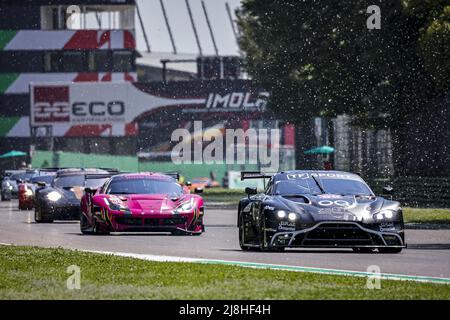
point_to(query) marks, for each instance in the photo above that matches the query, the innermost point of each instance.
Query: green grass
(223, 196)
(426, 216)
(38, 273)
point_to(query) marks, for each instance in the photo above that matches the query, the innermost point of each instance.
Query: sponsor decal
(330, 196)
(296, 176)
(286, 225)
(389, 226)
(340, 203)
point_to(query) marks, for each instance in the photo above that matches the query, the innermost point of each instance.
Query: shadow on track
(429, 246)
(293, 251)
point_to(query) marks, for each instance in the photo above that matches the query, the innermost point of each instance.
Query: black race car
(309, 208)
(61, 199)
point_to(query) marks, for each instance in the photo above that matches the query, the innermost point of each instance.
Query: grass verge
(426, 216)
(223, 196)
(39, 273)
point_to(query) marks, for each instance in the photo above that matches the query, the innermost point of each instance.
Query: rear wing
(99, 175)
(49, 169)
(245, 175)
(174, 175)
(112, 170)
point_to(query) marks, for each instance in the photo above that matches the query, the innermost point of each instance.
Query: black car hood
(72, 194)
(336, 207)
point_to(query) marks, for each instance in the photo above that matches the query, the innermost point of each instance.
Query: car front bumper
(189, 222)
(66, 211)
(328, 234)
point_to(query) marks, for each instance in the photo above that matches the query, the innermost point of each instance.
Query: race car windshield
(45, 178)
(345, 187)
(69, 181)
(330, 186)
(22, 176)
(144, 186)
(95, 183)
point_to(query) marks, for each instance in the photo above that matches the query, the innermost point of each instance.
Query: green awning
(13, 153)
(320, 150)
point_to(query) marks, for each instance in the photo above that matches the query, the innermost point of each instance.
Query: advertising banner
(115, 109)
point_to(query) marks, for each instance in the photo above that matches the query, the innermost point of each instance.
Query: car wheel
(98, 231)
(262, 238)
(178, 233)
(84, 226)
(38, 216)
(390, 250)
(242, 236)
(362, 250)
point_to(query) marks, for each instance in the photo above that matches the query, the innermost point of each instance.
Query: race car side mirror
(388, 190)
(41, 184)
(90, 190)
(251, 191)
(198, 190)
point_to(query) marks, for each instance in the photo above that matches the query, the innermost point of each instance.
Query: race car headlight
(281, 214)
(384, 215)
(186, 207)
(113, 206)
(292, 216)
(54, 196)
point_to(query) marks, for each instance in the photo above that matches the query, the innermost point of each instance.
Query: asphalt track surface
(428, 252)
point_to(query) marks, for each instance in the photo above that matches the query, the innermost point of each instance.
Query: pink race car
(141, 202)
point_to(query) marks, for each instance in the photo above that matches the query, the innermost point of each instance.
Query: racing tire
(242, 234)
(178, 233)
(363, 250)
(274, 249)
(262, 246)
(97, 231)
(83, 225)
(184, 233)
(389, 250)
(4, 198)
(38, 215)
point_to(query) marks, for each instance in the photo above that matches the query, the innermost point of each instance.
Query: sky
(178, 17)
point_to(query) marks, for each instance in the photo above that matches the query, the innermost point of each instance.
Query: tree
(434, 40)
(319, 59)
